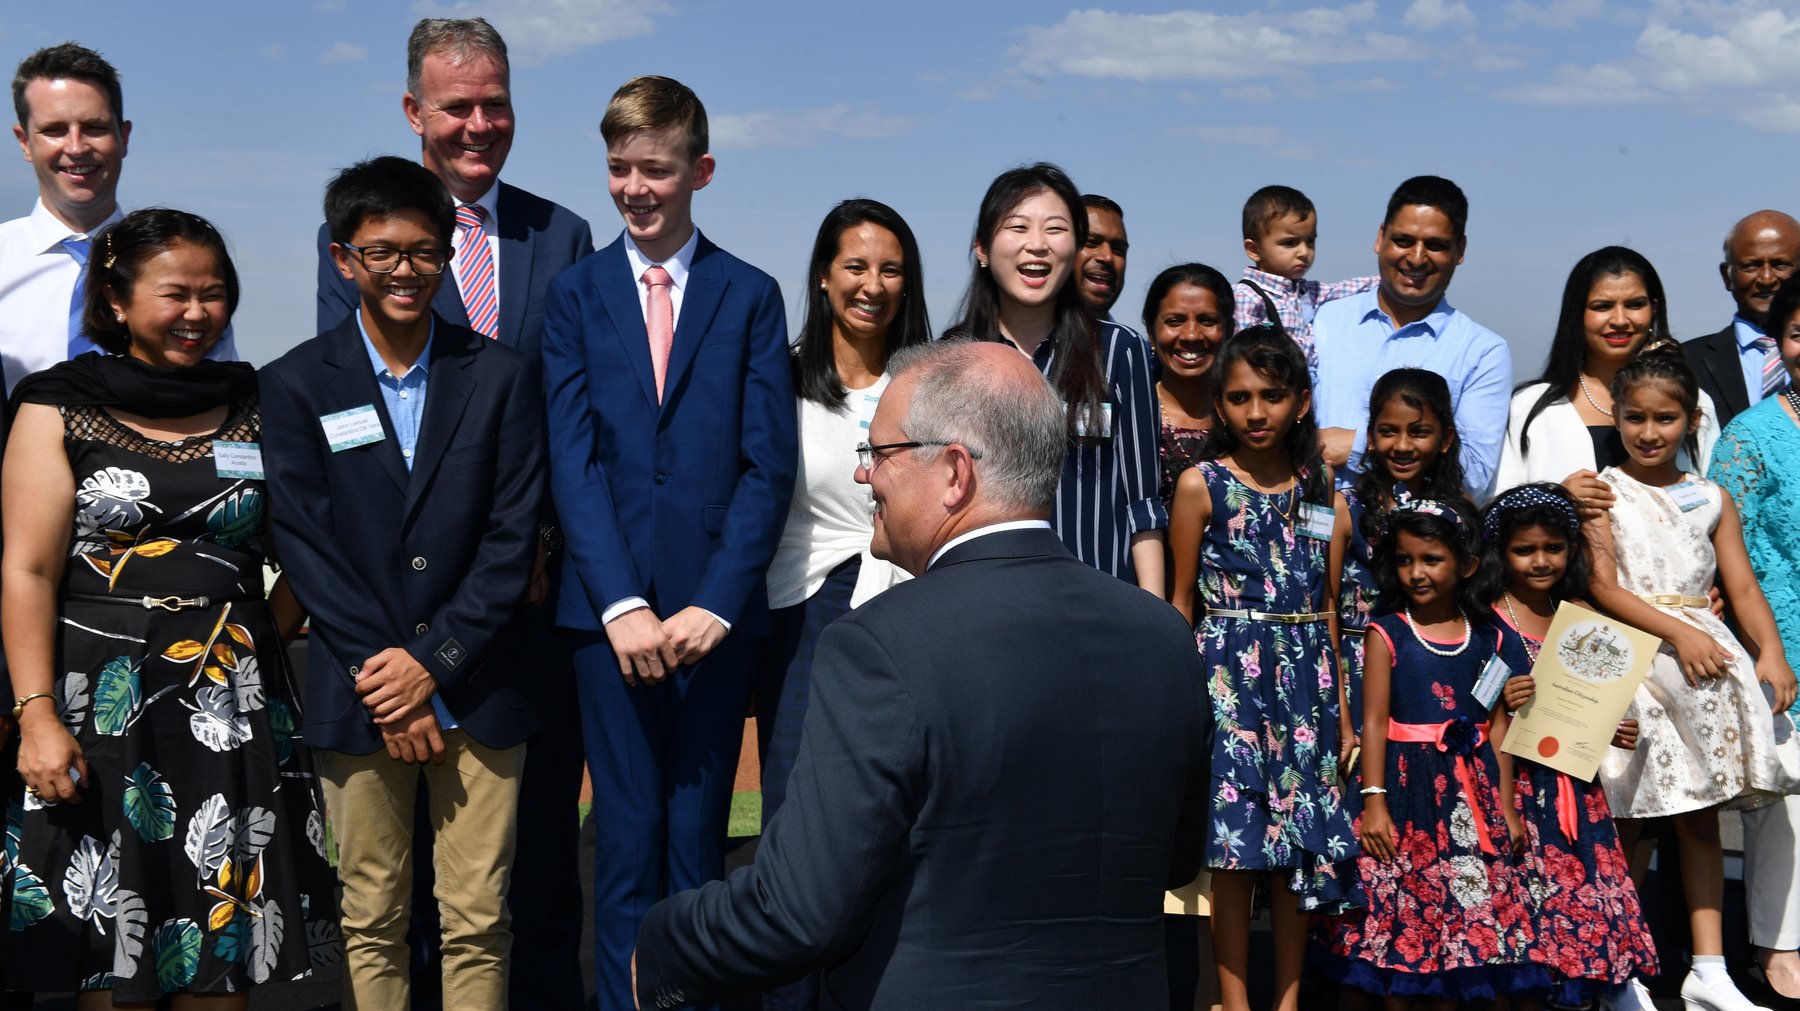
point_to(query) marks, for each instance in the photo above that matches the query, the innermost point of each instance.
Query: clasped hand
(649, 650)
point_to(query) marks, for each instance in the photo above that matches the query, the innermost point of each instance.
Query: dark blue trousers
(662, 758)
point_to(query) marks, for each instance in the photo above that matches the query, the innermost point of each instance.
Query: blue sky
(1570, 123)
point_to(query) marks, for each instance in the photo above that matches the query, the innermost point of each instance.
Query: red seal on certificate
(1548, 746)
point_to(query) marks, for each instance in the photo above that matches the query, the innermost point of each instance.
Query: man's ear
(959, 489)
(341, 257)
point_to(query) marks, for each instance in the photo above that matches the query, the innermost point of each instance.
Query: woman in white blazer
(1561, 426)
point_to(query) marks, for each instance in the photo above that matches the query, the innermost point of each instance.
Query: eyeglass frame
(403, 254)
(867, 459)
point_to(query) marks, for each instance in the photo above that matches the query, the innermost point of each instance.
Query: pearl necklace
(1590, 397)
(1530, 653)
(1468, 634)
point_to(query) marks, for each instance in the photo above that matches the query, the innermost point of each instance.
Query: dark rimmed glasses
(386, 259)
(867, 459)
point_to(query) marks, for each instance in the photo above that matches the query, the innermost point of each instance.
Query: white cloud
(1431, 15)
(344, 52)
(537, 30)
(1250, 93)
(790, 128)
(1272, 139)
(1556, 14)
(1196, 45)
(1707, 53)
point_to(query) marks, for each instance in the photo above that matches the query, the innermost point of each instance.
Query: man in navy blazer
(1005, 760)
(407, 455)
(459, 101)
(672, 458)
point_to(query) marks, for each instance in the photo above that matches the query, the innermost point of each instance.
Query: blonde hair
(656, 103)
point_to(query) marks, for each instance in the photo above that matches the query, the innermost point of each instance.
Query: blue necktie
(78, 342)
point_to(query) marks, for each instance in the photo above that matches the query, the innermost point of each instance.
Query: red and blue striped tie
(475, 270)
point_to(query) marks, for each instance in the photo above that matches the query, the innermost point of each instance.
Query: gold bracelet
(19, 706)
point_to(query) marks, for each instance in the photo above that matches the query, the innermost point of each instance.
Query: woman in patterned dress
(170, 840)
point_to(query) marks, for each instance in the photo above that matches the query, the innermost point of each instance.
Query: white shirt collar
(991, 528)
(489, 202)
(677, 265)
(47, 231)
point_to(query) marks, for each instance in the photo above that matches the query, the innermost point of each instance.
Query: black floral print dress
(196, 859)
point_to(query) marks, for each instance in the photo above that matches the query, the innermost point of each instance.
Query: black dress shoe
(1757, 988)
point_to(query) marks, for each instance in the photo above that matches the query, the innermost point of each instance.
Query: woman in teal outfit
(1757, 460)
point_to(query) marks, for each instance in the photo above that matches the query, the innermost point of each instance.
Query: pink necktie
(659, 321)
(475, 271)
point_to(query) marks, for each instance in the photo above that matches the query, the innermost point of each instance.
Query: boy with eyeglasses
(405, 458)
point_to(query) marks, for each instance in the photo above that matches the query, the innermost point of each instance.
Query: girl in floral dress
(1412, 452)
(1713, 726)
(1250, 534)
(1446, 920)
(1590, 929)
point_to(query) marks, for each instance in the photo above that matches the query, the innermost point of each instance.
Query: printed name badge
(1493, 678)
(1106, 424)
(1688, 495)
(238, 459)
(358, 426)
(1316, 521)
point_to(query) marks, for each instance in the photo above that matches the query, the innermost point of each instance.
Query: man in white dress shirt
(73, 132)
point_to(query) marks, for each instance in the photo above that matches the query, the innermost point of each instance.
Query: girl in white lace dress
(1713, 727)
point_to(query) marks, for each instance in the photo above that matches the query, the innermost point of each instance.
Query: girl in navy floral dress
(1412, 452)
(1251, 532)
(1590, 929)
(1446, 917)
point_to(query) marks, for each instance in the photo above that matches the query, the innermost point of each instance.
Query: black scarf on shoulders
(136, 387)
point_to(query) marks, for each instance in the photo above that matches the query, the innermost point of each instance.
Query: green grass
(746, 815)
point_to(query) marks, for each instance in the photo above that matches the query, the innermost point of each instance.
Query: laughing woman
(169, 841)
(1108, 511)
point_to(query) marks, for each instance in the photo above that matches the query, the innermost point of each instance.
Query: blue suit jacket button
(661, 478)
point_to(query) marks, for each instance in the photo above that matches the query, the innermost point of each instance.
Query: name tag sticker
(1688, 495)
(358, 426)
(238, 460)
(867, 413)
(1316, 521)
(1106, 424)
(1493, 678)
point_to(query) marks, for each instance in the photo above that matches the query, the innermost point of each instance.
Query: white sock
(1625, 998)
(1710, 969)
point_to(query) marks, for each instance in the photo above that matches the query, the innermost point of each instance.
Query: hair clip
(110, 255)
(1527, 497)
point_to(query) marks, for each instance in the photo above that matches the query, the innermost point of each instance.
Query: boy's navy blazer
(434, 560)
(681, 502)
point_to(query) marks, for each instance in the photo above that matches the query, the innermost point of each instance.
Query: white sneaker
(1697, 995)
(1633, 996)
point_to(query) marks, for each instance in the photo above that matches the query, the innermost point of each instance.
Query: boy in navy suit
(672, 459)
(406, 455)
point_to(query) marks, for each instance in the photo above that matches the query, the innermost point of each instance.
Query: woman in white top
(865, 298)
(1561, 425)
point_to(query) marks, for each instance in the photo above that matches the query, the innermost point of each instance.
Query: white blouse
(1560, 444)
(831, 517)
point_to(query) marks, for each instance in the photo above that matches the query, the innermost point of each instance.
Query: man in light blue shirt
(1408, 323)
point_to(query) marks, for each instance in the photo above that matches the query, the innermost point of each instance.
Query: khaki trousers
(474, 800)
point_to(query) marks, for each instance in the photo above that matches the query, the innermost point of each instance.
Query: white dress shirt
(37, 280)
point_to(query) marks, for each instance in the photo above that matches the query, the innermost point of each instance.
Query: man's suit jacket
(538, 240)
(434, 560)
(681, 502)
(1717, 364)
(1004, 765)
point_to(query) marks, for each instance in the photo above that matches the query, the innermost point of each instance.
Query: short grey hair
(1018, 431)
(460, 39)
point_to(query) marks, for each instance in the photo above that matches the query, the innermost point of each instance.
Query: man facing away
(1005, 760)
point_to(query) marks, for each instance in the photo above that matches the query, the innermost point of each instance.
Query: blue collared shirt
(404, 398)
(1357, 343)
(1750, 359)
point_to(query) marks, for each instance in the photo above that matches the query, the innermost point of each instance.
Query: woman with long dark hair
(1561, 427)
(865, 299)
(1108, 512)
(1187, 315)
